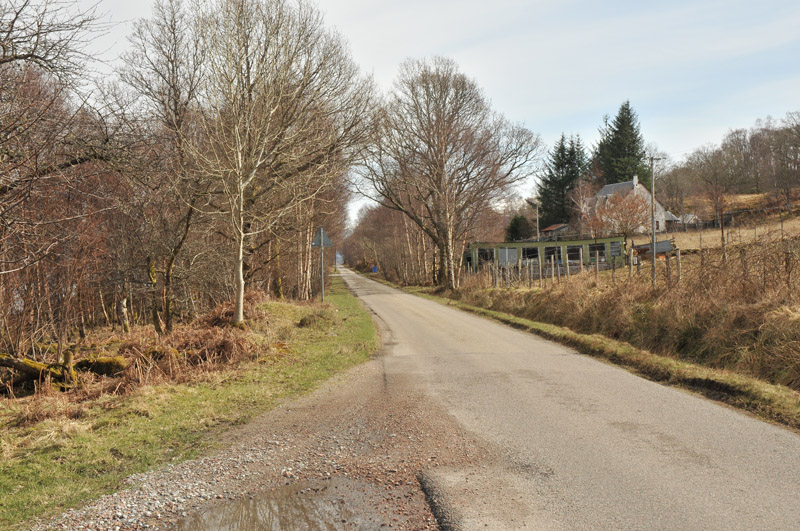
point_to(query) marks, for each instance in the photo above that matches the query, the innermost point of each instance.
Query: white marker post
(321, 240)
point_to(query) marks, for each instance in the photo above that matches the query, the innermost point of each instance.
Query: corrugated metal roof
(555, 227)
(664, 246)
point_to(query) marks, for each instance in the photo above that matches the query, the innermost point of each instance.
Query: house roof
(615, 189)
(662, 247)
(555, 227)
(669, 216)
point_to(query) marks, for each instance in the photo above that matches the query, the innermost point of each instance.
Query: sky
(692, 70)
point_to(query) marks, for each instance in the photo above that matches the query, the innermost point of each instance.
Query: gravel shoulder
(359, 443)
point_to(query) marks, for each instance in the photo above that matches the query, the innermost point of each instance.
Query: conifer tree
(620, 154)
(520, 228)
(567, 162)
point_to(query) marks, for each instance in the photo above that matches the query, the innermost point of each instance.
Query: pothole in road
(338, 503)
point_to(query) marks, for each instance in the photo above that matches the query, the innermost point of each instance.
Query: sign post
(321, 240)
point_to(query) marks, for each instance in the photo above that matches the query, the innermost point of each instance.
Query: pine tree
(520, 228)
(620, 154)
(567, 163)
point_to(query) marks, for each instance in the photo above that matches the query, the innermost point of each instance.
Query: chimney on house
(635, 180)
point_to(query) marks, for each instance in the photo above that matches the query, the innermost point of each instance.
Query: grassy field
(738, 234)
(56, 452)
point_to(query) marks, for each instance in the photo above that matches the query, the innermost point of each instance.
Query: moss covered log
(103, 365)
(29, 369)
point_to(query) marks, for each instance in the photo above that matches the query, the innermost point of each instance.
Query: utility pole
(653, 217)
(321, 240)
(535, 204)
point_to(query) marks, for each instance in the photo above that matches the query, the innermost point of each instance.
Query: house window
(657, 227)
(485, 256)
(554, 252)
(507, 256)
(597, 249)
(530, 253)
(574, 253)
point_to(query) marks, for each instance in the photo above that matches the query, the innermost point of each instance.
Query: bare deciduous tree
(716, 180)
(284, 109)
(621, 214)
(441, 156)
(581, 197)
(164, 67)
(47, 33)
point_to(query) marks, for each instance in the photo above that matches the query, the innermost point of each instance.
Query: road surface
(581, 444)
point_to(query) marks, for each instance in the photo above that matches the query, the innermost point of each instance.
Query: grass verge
(66, 460)
(767, 401)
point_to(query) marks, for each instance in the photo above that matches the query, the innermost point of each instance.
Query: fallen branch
(29, 369)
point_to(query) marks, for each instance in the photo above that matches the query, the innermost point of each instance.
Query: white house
(637, 188)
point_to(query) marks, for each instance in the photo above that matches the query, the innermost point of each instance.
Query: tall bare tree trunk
(238, 313)
(154, 298)
(278, 276)
(170, 266)
(122, 308)
(105, 310)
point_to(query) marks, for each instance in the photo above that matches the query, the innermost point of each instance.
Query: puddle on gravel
(318, 505)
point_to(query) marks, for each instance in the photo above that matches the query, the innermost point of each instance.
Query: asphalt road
(583, 444)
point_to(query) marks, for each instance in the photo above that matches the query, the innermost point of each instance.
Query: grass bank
(58, 451)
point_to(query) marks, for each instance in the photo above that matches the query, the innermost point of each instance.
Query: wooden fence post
(613, 270)
(581, 257)
(530, 275)
(597, 266)
(539, 263)
(745, 268)
(630, 262)
(678, 261)
(558, 265)
(668, 261)
(552, 271)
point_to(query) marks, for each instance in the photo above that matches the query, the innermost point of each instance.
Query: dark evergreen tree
(620, 153)
(566, 163)
(520, 228)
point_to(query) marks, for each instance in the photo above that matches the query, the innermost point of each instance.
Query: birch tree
(284, 109)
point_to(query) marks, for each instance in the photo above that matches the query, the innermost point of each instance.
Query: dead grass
(206, 345)
(737, 235)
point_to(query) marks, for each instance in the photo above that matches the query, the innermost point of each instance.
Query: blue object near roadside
(374, 269)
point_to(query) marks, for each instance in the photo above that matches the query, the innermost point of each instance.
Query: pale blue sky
(692, 69)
